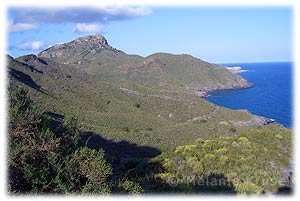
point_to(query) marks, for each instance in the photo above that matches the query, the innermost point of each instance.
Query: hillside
(162, 71)
(125, 108)
(137, 108)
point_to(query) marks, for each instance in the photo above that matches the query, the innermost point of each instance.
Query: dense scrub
(252, 163)
(45, 156)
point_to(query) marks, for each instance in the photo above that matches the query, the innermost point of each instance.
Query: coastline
(271, 97)
(260, 119)
(255, 121)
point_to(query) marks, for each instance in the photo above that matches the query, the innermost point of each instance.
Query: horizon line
(237, 62)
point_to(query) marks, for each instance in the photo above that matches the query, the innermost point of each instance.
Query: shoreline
(265, 119)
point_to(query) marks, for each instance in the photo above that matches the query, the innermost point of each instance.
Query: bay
(271, 95)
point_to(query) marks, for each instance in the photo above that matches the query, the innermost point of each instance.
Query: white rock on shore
(236, 69)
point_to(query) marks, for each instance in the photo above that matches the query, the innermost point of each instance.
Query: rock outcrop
(74, 52)
(255, 121)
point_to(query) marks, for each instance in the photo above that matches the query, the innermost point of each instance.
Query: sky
(215, 34)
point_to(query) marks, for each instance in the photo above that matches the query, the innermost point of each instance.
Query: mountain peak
(80, 50)
(98, 38)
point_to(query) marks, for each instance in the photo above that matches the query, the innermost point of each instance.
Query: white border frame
(64, 3)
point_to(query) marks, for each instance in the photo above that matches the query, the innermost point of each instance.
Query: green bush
(21, 108)
(46, 159)
(126, 129)
(86, 171)
(245, 167)
(248, 188)
(232, 129)
(127, 186)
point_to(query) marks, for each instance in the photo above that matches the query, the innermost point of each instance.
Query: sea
(271, 96)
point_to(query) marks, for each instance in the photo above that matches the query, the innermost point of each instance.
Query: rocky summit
(77, 49)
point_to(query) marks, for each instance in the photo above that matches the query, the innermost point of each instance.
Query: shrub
(200, 141)
(248, 188)
(126, 129)
(209, 157)
(21, 108)
(232, 129)
(149, 129)
(198, 168)
(247, 170)
(33, 147)
(44, 159)
(221, 151)
(243, 141)
(70, 123)
(130, 187)
(224, 159)
(86, 171)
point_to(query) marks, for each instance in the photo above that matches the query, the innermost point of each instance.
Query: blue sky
(214, 34)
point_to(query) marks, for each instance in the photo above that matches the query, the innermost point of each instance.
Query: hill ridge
(160, 70)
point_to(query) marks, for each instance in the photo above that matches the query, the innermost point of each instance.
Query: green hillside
(116, 111)
(162, 71)
(136, 108)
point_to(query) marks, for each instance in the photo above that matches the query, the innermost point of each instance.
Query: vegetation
(159, 70)
(99, 121)
(245, 164)
(126, 117)
(44, 155)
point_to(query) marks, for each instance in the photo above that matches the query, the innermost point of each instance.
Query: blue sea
(271, 95)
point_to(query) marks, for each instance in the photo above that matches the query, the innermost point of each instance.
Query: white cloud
(87, 27)
(121, 12)
(20, 27)
(26, 18)
(31, 46)
(78, 15)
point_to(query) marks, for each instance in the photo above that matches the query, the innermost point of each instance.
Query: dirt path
(135, 93)
(205, 116)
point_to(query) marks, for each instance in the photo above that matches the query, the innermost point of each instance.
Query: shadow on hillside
(214, 184)
(120, 150)
(55, 120)
(127, 159)
(42, 61)
(24, 78)
(32, 68)
(134, 162)
(56, 116)
(285, 190)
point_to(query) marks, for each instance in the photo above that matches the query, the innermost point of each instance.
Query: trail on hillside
(205, 116)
